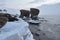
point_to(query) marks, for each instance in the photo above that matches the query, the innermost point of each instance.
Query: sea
(47, 30)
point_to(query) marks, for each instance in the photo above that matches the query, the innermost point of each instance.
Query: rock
(3, 21)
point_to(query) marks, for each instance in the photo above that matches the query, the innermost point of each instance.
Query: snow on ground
(15, 31)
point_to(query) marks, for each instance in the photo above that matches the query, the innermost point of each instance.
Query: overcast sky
(26, 4)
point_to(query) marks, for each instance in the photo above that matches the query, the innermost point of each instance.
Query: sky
(50, 9)
(26, 4)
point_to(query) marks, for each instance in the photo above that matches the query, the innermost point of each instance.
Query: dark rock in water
(25, 13)
(33, 23)
(35, 18)
(34, 13)
(37, 34)
(43, 33)
(38, 29)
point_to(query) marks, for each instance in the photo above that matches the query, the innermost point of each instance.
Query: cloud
(43, 2)
(18, 4)
(52, 1)
(38, 3)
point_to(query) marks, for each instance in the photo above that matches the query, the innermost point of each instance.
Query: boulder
(34, 13)
(25, 13)
(10, 18)
(3, 21)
